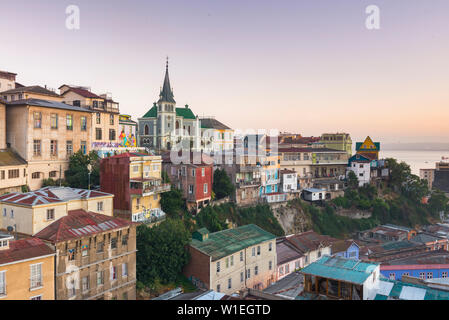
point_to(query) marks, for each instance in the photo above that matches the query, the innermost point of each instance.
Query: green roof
(339, 268)
(414, 291)
(224, 243)
(186, 113)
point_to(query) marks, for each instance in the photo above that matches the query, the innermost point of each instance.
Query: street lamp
(89, 168)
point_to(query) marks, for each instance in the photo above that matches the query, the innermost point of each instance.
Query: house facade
(95, 256)
(136, 183)
(231, 260)
(127, 129)
(337, 141)
(26, 269)
(45, 134)
(215, 136)
(361, 166)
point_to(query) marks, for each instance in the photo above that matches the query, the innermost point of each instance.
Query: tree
(173, 204)
(165, 177)
(77, 175)
(399, 172)
(222, 185)
(209, 218)
(353, 181)
(438, 202)
(162, 251)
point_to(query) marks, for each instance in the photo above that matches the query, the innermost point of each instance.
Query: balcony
(327, 162)
(149, 216)
(272, 181)
(248, 183)
(249, 168)
(150, 190)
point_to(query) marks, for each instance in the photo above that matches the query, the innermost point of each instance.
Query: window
(12, 213)
(3, 174)
(100, 206)
(36, 275)
(69, 148)
(35, 175)
(124, 270)
(218, 266)
(227, 262)
(193, 172)
(2, 283)
(111, 119)
(95, 104)
(422, 275)
(319, 253)
(113, 243)
(37, 116)
(113, 273)
(71, 254)
(444, 274)
(36, 147)
(85, 283)
(39, 297)
(203, 172)
(52, 174)
(4, 212)
(392, 276)
(98, 133)
(125, 240)
(241, 255)
(69, 122)
(205, 188)
(405, 274)
(258, 250)
(229, 283)
(256, 270)
(50, 214)
(429, 275)
(232, 260)
(100, 278)
(98, 118)
(190, 188)
(71, 289)
(270, 246)
(54, 147)
(76, 103)
(254, 252)
(218, 288)
(83, 147)
(135, 168)
(54, 121)
(14, 173)
(100, 247)
(248, 273)
(111, 134)
(83, 123)
(270, 265)
(241, 277)
(281, 271)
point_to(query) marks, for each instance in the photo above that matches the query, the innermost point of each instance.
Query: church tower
(166, 113)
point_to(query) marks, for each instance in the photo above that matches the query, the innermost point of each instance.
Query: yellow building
(26, 269)
(368, 148)
(31, 212)
(135, 180)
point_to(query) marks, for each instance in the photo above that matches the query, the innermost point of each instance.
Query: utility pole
(89, 168)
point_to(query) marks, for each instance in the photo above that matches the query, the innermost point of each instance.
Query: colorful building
(337, 141)
(127, 129)
(231, 260)
(361, 166)
(135, 180)
(368, 148)
(26, 269)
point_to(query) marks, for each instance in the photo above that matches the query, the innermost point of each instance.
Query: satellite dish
(10, 229)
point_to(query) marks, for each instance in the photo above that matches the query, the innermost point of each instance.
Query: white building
(216, 136)
(361, 166)
(314, 194)
(289, 180)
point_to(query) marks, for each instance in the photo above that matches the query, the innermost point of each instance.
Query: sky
(307, 67)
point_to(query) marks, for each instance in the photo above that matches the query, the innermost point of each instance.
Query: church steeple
(166, 94)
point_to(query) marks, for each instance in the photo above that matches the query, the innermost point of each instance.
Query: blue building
(346, 249)
(426, 265)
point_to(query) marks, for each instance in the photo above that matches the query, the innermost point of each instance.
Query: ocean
(416, 159)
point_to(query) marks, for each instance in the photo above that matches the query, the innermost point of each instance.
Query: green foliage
(173, 204)
(162, 251)
(209, 218)
(438, 202)
(50, 182)
(222, 185)
(165, 177)
(353, 181)
(77, 174)
(25, 188)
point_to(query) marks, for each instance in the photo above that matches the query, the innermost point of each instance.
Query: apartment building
(7, 81)
(30, 92)
(29, 213)
(26, 269)
(95, 256)
(136, 182)
(104, 123)
(45, 134)
(311, 244)
(337, 141)
(192, 173)
(361, 166)
(215, 136)
(232, 260)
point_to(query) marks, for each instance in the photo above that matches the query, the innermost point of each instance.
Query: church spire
(166, 94)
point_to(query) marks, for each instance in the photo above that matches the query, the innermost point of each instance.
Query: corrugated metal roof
(338, 268)
(223, 243)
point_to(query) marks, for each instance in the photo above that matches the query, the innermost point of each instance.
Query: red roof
(24, 249)
(28, 199)
(82, 92)
(78, 224)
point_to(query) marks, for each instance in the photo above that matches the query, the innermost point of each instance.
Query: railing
(149, 216)
(147, 191)
(250, 168)
(272, 181)
(253, 182)
(336, 161)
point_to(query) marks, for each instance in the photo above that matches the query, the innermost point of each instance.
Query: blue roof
(339, 268)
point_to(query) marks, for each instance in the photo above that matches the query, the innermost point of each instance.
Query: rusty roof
(24, 249)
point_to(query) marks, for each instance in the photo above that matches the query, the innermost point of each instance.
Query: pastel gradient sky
(295, 65)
